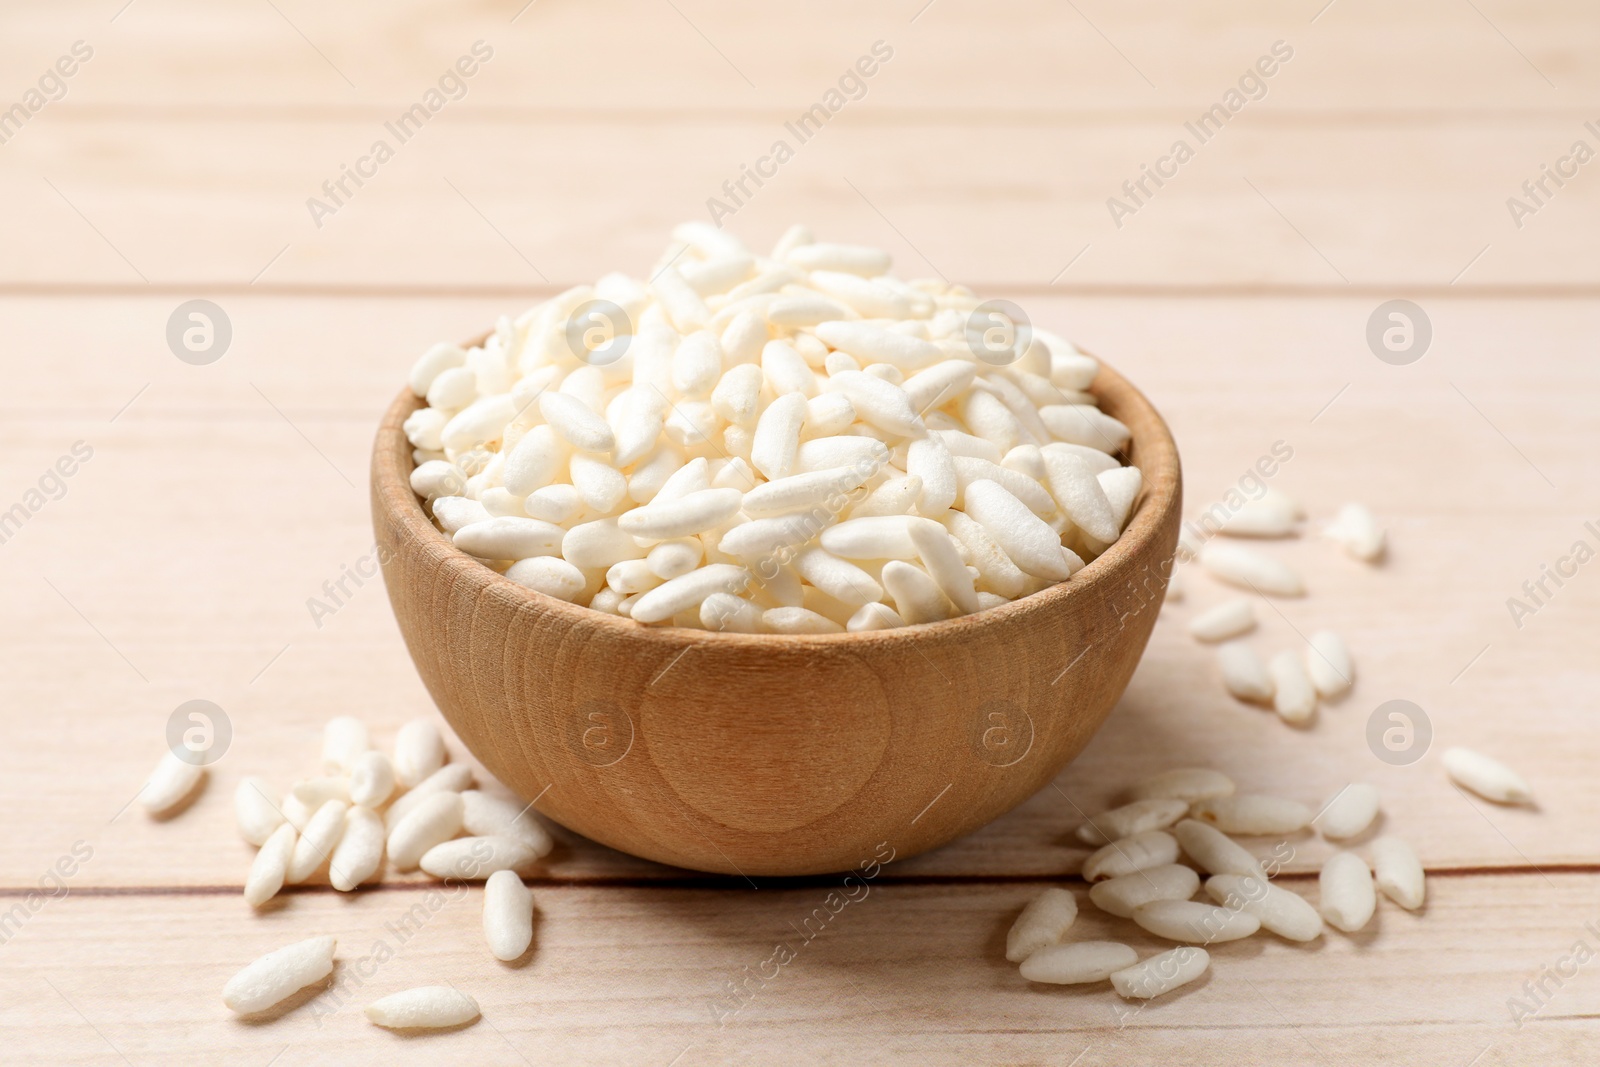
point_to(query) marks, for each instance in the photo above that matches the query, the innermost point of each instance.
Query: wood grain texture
(767, 754)
(206, 594)
(1006, 56)
(1320, 206)
(180, 560)
(638, 976)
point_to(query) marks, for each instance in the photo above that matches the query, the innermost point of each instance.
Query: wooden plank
(995, 202)
(902, 973)
(180, 561)
(714, 55)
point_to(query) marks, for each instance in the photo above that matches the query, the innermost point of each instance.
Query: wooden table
(177, 562)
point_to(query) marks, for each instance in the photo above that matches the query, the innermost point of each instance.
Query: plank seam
(886, 115)
(718, 882)
(1168, 290)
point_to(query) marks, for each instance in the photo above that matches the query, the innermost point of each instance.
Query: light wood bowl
(775, 754)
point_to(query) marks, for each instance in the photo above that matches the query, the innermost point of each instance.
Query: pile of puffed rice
(791, 443)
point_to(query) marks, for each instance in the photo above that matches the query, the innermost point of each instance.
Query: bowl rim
(1159, 496)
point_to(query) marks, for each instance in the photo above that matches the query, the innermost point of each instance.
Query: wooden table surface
(177, 561)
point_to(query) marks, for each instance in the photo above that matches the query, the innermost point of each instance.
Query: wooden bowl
(775, 754)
